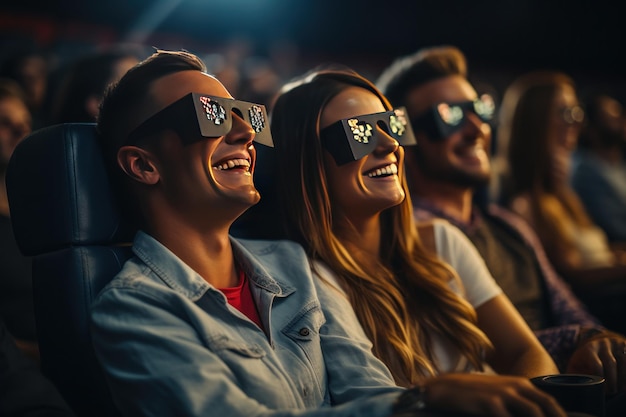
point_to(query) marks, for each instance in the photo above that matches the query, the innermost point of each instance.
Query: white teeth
(473, 150)
(390, 169)
(232, 163)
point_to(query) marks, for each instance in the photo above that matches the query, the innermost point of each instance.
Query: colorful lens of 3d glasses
(443, 119)
(198, 116)
(353, 138)
(573, 115)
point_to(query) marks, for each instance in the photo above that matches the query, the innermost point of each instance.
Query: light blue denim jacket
(171, 345)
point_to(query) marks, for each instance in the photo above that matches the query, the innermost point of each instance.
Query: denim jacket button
(304, 331)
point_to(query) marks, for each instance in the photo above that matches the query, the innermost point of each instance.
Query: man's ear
(138, 164)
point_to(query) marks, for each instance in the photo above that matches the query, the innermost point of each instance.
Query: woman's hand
(489, 395)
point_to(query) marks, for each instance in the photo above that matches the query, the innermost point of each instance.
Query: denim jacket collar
(183, 279)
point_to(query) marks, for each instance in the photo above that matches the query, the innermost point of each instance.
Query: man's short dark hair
(411, 71)
(128, 102)
(125, 102)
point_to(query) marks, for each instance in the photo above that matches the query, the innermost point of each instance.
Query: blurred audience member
(540, 124)
(261, 82)
(224, 70)
(24, 391)
(539, 127)
(446, 167)
(599, 166)
(16, 301)
(29, 68)
(84, 83)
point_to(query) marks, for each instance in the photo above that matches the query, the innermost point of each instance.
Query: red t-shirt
(240, 297)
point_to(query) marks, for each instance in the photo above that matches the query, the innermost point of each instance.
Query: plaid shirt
(568, 313)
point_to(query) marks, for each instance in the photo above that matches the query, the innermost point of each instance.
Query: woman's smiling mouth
(391, 169)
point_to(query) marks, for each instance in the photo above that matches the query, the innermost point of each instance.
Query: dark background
(501, 38)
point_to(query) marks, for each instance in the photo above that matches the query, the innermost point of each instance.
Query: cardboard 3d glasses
(443, 119)
(353, 138)
(199, 116)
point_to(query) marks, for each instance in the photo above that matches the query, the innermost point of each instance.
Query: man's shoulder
(277, 247)
(131, 275)
(509, 221)
(282, 261)
(423, 210)
(272, 254)
(503, 216)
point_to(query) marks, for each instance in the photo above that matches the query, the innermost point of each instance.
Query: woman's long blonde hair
(403, 298)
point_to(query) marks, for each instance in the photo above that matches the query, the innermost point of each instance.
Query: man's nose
(240, 130)
(473, 125)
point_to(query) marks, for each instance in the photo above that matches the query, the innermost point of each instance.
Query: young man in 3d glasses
(445, 169)
(199, 323)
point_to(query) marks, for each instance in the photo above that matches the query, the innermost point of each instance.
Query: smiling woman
(343, 194)
(369, 183)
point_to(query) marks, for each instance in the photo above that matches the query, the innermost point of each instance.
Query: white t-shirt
(458, 251)
(477, 287)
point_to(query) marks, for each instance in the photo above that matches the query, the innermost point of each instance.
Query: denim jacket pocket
(304, 332)
(305, 327)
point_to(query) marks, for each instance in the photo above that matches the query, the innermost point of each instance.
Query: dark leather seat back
(64, 215)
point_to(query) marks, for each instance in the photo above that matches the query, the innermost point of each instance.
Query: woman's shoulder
(322, 271)
(548, 204)
(521, 204)
(437, 232)
(446, 235)
(455, 248)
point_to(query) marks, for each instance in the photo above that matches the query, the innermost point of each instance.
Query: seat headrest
(59, 191)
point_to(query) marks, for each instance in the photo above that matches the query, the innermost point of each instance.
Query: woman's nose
(385, 143)
(240, 130)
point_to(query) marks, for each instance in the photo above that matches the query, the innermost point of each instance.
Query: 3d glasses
(353, 138)
(443, 119)
(573, 115)
(198, 116)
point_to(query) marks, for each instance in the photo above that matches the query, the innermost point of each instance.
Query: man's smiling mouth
(238, 163)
